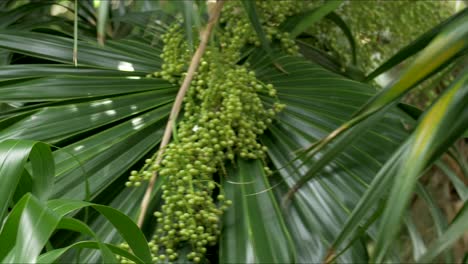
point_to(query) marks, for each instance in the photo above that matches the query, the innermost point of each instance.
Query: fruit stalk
(204, 38)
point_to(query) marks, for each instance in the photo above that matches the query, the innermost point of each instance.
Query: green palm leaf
(430, 138)
(317, 102)
(31, 222)
(254, 228)
(60, 49)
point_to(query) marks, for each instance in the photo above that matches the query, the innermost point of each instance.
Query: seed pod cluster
(222, 119)
(237, 30)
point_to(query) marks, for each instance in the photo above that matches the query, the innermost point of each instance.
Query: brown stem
(204, 38)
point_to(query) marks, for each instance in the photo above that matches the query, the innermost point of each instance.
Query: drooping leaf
(191, 20)
(251, 10)
(311, 17)
(434, 133)
(13, 157)
(333, 16)
(418, 245)
(78, 226)
(414, 47)
(28, 228)
(327, 61)
(457, 183)
(124, 225)
(53, 255)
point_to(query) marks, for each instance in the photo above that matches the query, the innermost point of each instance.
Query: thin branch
(204, 38)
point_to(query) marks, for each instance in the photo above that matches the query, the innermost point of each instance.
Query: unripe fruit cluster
(237, 30)
(223, 117)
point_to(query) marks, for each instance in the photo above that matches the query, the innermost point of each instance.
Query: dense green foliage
(381, 28)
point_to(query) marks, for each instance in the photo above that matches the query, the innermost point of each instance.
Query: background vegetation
(80, 108)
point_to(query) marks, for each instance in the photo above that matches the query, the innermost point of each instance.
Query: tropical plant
(282, 152)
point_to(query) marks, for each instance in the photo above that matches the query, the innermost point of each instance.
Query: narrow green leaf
(129, 231)
(78, 226)
(32, 227)
(457, 183)
(314, 15)
(251, 10)
(449, 43)
(329, 152)
(64, 87)
(432, 135)
(124, 225)
(137, 48)
(8, 232)
(5, 57)
(327, 61)
(13, 157)
(415, 46)
(254, 230)
(42, 171)
(419, 247)
(190, 18)
(318, 101)
(323, 194)
(26, 71)
(366, 204)
(60, 49)
(439, 218)
(9, 17)
(153, 23)
(107, 155)
(458, 228)
(335, 18)
(53, 255)
(55, 123)
(127, 201)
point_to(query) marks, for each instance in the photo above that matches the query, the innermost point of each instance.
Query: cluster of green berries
(145, 173)
(237, 30)
(121, 259)
(176, 51)
(223, 118)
